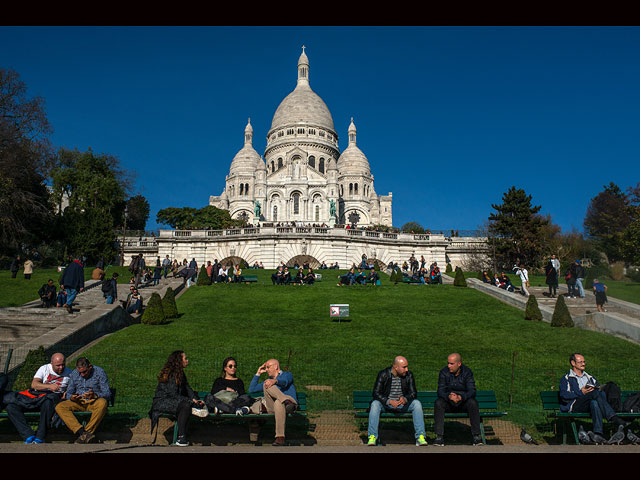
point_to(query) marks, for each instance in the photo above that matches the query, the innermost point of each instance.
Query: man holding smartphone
(88, 390)
(580, 392)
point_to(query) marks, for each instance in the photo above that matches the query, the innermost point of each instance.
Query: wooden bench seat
(551, 404)
(301, 411)
(487, 404)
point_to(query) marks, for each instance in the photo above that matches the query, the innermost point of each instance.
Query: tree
(608, 216)
(203, 277)
(25, 159)
(631, 235)
(169, 306)
(192, 218)
(412, 227)
(532, 310)
(459, 280)
(153, 313)
(95, 188)
(561, 316)
(137, 213)
(515, 230)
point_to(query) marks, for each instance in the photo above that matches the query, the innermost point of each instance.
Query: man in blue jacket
(279, 394)
(73, 281)
(456, 393)
(580, 392)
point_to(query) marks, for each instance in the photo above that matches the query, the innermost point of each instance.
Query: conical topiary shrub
(203, 277)
(153, 313)
(459, 281)
(396, 276)
(532, 310)
(169, 306)
(448, 268)
(561, 316)
(32, 362)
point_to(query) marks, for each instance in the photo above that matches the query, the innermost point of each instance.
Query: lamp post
(124, 235)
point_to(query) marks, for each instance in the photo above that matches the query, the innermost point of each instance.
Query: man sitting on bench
(395, 391)
(580, 392)
(456, 393)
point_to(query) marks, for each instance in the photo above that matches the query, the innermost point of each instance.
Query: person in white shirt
(47, 388)
(524, 278)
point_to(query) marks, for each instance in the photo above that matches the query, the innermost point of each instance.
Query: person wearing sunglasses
(228, 394)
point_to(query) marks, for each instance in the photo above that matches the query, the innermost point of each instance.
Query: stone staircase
(28, 326)
(621, 318)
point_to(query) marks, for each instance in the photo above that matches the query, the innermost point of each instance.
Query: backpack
(614, 395)
(106, 286)
(632, 403)
(134, 265)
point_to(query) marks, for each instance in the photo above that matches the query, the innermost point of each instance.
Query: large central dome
(303, 105)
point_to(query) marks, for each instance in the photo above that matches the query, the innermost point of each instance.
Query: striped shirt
(396, 388)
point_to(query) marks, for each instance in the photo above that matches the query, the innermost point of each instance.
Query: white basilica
(303, 177)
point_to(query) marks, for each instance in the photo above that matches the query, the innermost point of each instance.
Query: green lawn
(18, 291)
(508, 354)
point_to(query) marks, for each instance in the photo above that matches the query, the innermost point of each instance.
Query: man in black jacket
(395, 391)
(456, 393)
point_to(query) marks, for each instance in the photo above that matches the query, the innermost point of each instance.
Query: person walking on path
(73, 282)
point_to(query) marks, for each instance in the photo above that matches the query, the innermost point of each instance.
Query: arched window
(279, 163)
(321, 166)
(351, 189)
(296, 203)
(241, 188)
(275, 213)
(273, 166)
(355, 188)
(246, 189)
(312, 162)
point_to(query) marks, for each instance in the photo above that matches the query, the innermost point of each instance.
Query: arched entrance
(231, 261)
(301, 260)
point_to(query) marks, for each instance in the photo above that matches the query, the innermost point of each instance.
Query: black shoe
(290, 406)
(477, 440)
(182, 441)
(439, 441)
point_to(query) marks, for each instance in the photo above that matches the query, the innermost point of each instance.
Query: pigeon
(583, 437)
(633, 438)
(617, 437)
(526, 438)
(596, 438)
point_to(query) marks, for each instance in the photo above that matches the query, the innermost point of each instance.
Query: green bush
(153, 313)
(169, 306)
(448, 268)
(459, 281)
(532, 310)
(203, 277)
(33, 361)
(561, 316)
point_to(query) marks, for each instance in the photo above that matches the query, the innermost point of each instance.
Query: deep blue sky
(449, 117)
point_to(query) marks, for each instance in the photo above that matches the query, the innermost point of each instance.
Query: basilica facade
(303, 177)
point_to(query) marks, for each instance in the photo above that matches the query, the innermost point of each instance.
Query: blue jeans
(109, 299)
(71, 295)
(415, 408)
(580, 288)
(596, 404)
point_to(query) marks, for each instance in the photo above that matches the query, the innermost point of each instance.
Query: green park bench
(301, 411)
(551, 404)
(83, 416)
(487, 404)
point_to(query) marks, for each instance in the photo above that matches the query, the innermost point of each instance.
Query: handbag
(226, 396)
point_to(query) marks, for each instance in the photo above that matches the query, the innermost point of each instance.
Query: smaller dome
(352, 161)
(247, 159)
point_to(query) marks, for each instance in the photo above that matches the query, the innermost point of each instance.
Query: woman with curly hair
(174, 395)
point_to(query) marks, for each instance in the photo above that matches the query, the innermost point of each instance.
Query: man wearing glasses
(88, 391)
(580, 392)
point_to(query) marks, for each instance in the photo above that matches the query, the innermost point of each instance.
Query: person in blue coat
(73, 282)
(280, 397)
(580, 392)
